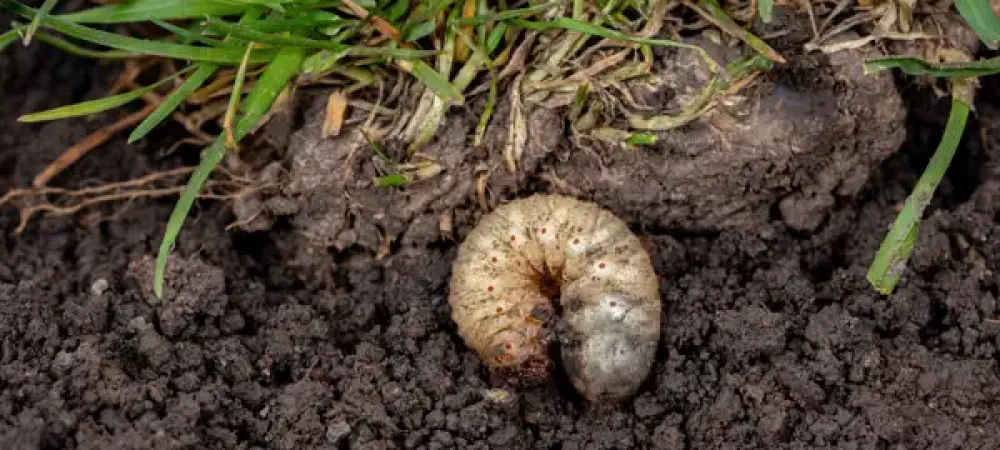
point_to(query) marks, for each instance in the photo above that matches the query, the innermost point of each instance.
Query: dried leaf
(336, 106)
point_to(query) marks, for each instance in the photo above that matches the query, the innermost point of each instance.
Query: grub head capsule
(609, 347)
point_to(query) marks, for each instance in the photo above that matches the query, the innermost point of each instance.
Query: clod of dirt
(808, 133)
(193, 291)
(818, 115)
(806, 211)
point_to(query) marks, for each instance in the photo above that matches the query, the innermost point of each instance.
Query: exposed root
(64, 202)
(94, 140)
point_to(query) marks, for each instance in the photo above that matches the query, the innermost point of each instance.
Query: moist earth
(772, 337)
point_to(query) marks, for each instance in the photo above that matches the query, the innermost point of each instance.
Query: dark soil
(298, 336)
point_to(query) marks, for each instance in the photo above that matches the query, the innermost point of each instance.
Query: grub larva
(552, 269)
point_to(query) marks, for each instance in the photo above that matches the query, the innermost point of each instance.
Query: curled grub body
(528, 251)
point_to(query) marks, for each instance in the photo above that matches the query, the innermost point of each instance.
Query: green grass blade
(392, 181)
(37, 21)
(285, 66)
(10, 37)
(494, 38)
(186, 36)
(74, 49)
(890, 261)
(397, 10)
(93, 106)
(437, 82)
(766, 10)
(917, 66)
(297, 25)
(230, 56)
(172, 101)
(981, 18)
(484, 119)
(743, 67)
(641, 139)
(419, 31)
(205, 71)
(144, 10)
(251, 34)
(320, 63)
(506, 15)
(730, 26)
(278, 74)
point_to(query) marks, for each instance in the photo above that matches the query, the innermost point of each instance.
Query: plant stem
(890, 262)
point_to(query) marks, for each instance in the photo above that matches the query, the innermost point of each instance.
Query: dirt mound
(806, 136)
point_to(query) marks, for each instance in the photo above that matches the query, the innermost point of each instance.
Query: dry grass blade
(336, 106)
(462, 50)
(379, 23)
(517, 135)
(234, 99)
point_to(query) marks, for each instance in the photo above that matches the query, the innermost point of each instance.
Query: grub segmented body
(519, 258)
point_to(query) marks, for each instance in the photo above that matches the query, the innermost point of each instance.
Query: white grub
(530, 250)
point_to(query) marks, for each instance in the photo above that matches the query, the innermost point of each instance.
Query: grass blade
(143, 10)
(191, 85)
(186, 36)
(93, 106)
(9, 37)
(282, 25)
(641, 139)
(594, 30)
(506, 14)
(37, 21)
(74, 49)
(231, 56)
(917, 66)
(890, 261)
(437, 82)
(234, 99)
(981, 18)
(278, 74)
(251, 34)
(172, 101)
(715, 13)
(766, 10)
